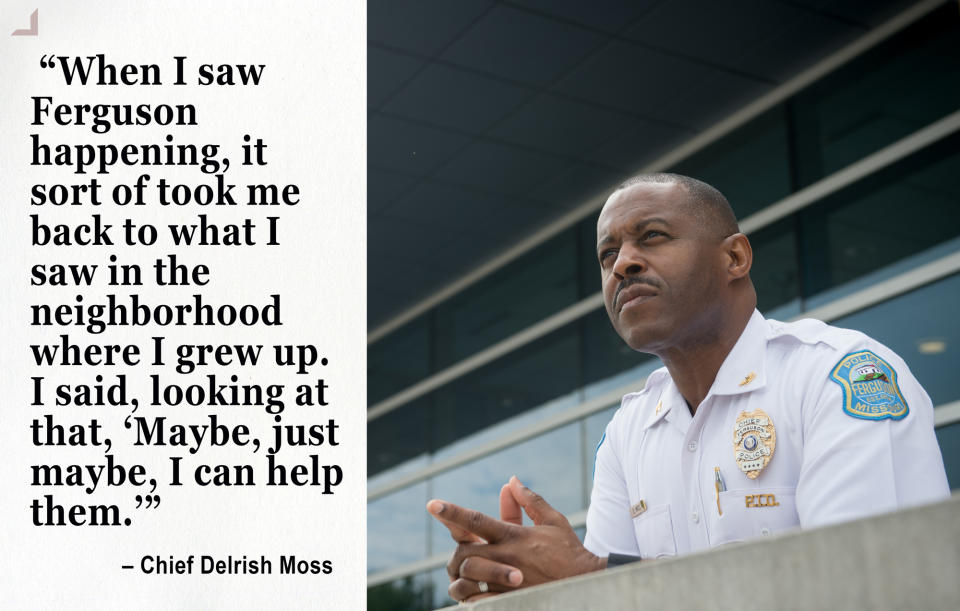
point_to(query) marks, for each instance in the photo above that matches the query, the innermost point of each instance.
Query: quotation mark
(44, 63)
(152, 500)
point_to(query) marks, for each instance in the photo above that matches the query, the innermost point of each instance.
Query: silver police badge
(754, 439)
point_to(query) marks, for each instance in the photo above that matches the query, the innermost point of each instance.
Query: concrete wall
(905, 560)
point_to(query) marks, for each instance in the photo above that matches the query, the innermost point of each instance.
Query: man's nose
(630, 262)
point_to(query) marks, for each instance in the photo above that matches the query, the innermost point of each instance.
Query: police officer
(752, 427)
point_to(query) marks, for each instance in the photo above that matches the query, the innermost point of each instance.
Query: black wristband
(615, 560)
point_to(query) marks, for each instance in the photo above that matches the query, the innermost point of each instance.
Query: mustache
(630, 281)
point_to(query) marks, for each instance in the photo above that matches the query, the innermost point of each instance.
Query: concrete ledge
(904, 560)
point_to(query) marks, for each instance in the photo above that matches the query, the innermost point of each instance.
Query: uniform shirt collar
(664, 403)
(743, 369)
(659, 378)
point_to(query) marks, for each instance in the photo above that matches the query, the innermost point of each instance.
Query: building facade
(847, 182)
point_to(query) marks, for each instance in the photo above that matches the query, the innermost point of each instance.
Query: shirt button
(694, 517)
(692, 446)
(764, 531)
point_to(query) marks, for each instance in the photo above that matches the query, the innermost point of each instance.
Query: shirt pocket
(753, 512)
(654, 532)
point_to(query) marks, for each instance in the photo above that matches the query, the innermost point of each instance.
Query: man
(752, 427)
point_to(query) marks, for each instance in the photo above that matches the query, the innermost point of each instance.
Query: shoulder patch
(870, 389)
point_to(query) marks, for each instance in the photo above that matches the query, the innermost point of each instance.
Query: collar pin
(750, 377)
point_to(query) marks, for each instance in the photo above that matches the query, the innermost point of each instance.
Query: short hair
(709, 204)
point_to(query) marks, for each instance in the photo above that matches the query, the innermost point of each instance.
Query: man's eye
(653, 233)
(607, 254)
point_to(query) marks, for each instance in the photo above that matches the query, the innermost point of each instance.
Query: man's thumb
(509, 507)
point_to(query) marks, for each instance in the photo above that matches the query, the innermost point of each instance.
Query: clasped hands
(505, 554)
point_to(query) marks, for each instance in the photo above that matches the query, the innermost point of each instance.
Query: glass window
(920, 326)
(508, 426)
(549, 464)
(413, 593)
(545, 376)
(628, 380)
(538, 284)
(902, 85)
(440, 582)
(399, 436)
(897, 212)
(521, 380)
(604, 352)
(775, 271)
(587, 259)
(905, 83)
(750, 166)
(398, 360)
(949, 438)
(397, 528)
(395, 471)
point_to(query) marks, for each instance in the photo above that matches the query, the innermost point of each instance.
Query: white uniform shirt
(847, 445)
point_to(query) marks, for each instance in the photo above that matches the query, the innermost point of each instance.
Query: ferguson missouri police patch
(870, 389)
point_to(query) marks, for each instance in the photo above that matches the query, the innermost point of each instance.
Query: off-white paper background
(309, 108)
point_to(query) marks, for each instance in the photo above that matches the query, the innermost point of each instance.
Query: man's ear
(739, 255)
